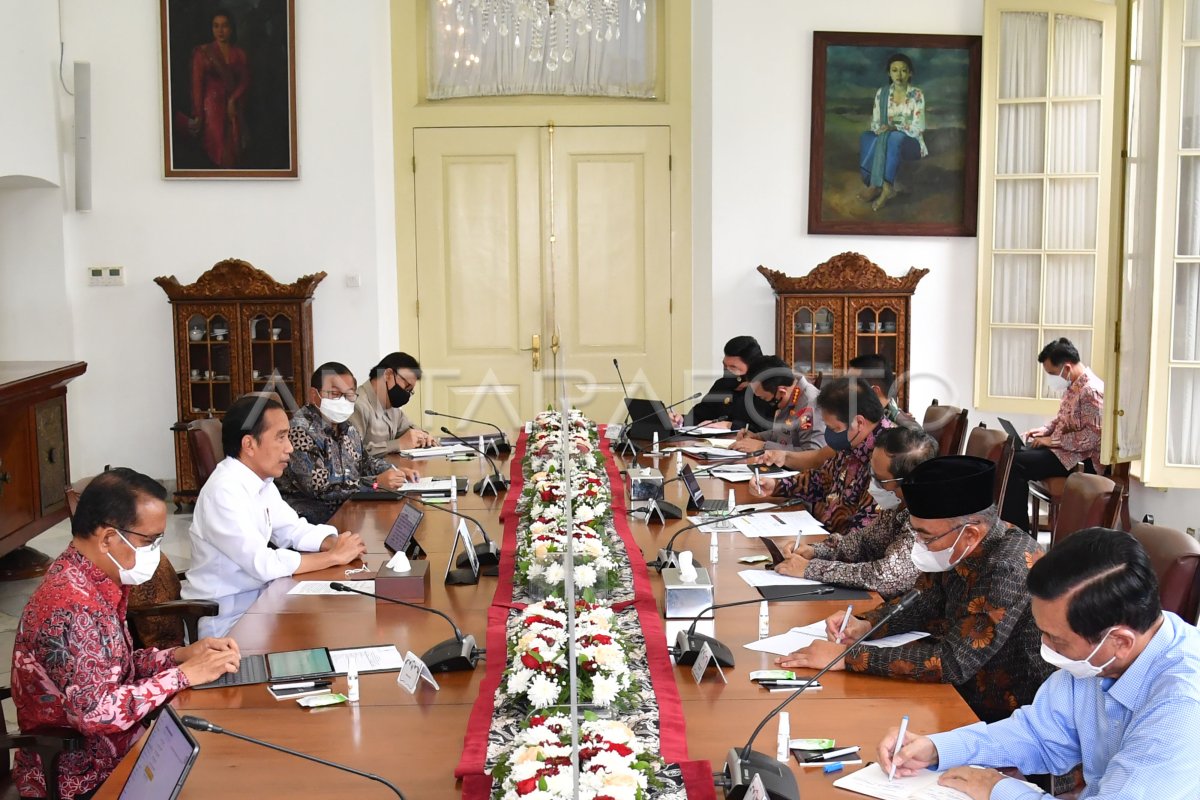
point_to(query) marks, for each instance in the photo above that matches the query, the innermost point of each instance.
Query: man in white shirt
(240, 510)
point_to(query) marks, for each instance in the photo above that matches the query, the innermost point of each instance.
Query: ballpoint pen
(845, 621)
(302, 685)
(899, 744)
(843, 751)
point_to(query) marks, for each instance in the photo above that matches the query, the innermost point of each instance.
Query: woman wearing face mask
(973, 602)
(877, 556)
(378, 411)
(1071, 438)
(73, 666)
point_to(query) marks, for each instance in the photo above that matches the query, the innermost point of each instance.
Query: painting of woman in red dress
(229, 84)
(220, 78)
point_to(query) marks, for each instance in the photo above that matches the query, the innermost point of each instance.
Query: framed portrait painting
(229, 88)
(895, 134)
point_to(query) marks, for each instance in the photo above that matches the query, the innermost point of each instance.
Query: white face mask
(145, 562)
(336, 411)
(1080, 669)
(927, 560)
(1057, 382)
(884, 498)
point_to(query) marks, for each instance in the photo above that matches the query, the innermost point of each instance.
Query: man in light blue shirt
(1125, 702)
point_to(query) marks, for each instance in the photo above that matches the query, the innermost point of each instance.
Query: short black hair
(847, 397)
(906, 448)
(877, 371)
(893, 58)
(770, 372)
(1059, 352)
(1109, 577)
(112, 499)
(223, 12)
(330, 367)
(246, 415)
(395, 362)
(746, 348)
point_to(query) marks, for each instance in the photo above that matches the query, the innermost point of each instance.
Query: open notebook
(872, 781)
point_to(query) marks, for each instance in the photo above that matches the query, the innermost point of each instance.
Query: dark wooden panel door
(51, 418)
(16, 470)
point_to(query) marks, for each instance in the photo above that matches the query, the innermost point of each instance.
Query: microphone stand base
(461, 577)
(490, 485)
(489, 561)
(777, 777)
(689, 647)
(451, 655)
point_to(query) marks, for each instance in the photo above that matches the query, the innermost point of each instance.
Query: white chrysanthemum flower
(608, 655)
(555, 574)
(524, 770)
(583, 513)
(518, 682)
(542, 692)
(535, 570)
(612, 730)
(585, 576)
(604, 690)
(560, 784)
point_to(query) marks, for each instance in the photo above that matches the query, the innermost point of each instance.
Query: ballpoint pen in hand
(899, 744)
(845, 621)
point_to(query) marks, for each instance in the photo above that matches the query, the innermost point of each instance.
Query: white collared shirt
(237, 514)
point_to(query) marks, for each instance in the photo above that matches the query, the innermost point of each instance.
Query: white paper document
(381, 658)
(796, 638)
(766, 577)
(741, 473)
(872, 781)
(782, 523)
(438, 452)
(322, 587)
(704, 430)
(713, 453)
(428, 485)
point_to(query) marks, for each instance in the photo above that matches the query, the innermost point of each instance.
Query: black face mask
(398, 396)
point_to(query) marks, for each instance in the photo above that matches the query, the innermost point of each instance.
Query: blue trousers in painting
(879, 155)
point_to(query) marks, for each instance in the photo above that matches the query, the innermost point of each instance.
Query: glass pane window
(1016, 288)
(1026, 34)
(1013, 350)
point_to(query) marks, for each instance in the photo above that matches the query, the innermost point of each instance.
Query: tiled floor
(14, 594)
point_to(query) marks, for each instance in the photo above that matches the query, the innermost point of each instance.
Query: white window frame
(1108, 198)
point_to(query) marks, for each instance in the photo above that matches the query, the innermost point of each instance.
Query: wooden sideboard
(34, 464)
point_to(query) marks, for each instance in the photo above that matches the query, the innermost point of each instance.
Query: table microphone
(487, 552)
(688, 643)
(742, 765)
(495, 481)
(500, 445)
(199, 724)
(452, 655)
(666, 556)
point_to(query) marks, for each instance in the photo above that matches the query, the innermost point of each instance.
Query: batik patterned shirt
(836, 491)
(982, 635)
(1075, 430)
(74, 666)
(877, 556)
(327, 465)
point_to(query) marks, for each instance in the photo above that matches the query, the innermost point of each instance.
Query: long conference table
(415, 740)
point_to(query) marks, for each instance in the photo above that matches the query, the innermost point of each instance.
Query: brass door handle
(537, 351)
(554, 343)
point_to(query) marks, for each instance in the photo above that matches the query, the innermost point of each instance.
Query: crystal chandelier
(546, 32)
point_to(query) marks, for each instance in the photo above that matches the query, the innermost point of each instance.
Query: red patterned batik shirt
(74, 666)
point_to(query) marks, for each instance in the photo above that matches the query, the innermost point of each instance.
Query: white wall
(28, 81)
(336, 217)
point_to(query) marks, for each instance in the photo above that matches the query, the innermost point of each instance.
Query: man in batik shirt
(973, 599)
(329, 463)
(74, 665)
(837, 491)
(877, 556)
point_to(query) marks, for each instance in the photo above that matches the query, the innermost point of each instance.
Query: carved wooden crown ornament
(845, 272)
(237, 279)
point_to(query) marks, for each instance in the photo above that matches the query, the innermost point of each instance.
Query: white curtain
(569, 47)
(1050, 213)
(1141, 192)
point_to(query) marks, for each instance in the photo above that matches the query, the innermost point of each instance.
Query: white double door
(542, 255)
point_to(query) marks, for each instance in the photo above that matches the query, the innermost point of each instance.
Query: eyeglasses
(154, 539)
(334, 394)
(357, 570)
(884, 481)
(927, 540)
(404, 383)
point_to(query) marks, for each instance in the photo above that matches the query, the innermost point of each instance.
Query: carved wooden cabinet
(34, 461)
(846, 307)
(236, 330)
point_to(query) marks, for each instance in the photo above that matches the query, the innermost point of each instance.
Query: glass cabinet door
(814, 330)
(211, 361)
(273, 336)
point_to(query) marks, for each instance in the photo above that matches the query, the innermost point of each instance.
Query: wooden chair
(997, 447)
(1175, 557)
(48, 743)
(948, 425)
(1088, 501)
(204, 444)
